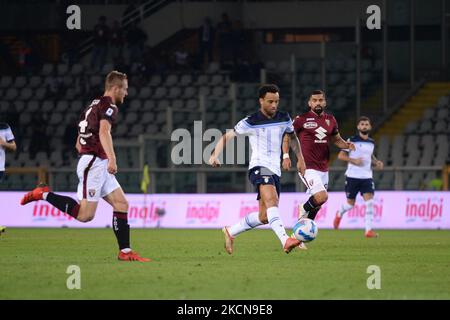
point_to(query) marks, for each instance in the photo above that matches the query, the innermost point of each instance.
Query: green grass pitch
(191, 264)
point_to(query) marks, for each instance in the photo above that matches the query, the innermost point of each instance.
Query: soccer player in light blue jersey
(265, 129)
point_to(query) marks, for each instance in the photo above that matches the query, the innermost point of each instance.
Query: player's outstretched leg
(249, 222)
(63, 203)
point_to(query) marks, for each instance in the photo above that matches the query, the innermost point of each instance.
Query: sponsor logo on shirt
(310, 125)
(321, 133)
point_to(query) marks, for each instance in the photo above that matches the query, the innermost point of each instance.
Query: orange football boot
(131, 256)
(35, 194)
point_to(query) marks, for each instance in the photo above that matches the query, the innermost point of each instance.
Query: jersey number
(83, 126)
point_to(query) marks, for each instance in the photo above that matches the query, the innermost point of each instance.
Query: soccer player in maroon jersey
(96, 167)
(315, 129)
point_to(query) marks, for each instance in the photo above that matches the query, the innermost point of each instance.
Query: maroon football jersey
(89, 125)
(314, 133)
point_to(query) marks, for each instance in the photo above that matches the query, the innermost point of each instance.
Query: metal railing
(169, 178)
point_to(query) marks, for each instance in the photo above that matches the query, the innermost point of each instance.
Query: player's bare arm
(214, 159)
(78, 144)
(295, 145)
(11, 146)
(343, 155)
(286, 163)
(341, 143)
(107, 144)
(377, 163)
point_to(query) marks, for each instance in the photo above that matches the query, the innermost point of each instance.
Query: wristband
(285, 156)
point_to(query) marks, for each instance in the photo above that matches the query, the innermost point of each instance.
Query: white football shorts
(95, 181)
(315, 181)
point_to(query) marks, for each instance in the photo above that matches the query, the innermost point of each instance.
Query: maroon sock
(63, 203)
(121, 229)
(311, 204)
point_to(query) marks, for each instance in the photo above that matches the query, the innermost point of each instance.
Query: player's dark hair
(114, 78)
(264, 89)
(363, 118)
(317, 92)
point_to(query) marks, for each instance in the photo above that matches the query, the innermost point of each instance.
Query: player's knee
(85, 218)
(271, 202)
(121, 205)
(321, 197)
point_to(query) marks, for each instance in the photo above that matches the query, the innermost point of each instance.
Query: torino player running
(359, 174)
(315, 129)
(265, 129)
(96, 167)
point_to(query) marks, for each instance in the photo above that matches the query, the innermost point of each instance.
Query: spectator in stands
(181, 58)
(224, 38)
(136, 38)
(100, 50)
(7, 143)
(117, 41)
(206, 41)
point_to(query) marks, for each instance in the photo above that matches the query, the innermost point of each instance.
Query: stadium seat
(174, 92)
(6, 82)
(171, 80)
(144, 93)
(62, 69)
(189, 92)
(11, 94)
(47, 69)
(20, 82)
(76, 70)
(185, 80)
(155, 81)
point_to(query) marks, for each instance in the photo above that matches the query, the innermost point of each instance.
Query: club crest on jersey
(327, 122)
(91, 192)
(311, 182)
(310, 125)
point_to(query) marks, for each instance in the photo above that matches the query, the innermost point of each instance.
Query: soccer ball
(305, 230)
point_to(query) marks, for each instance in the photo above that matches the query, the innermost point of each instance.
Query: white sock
(44, 195)
(250, 221)
(369, 214)
(344, 208)
(273, 215)
(126, 250)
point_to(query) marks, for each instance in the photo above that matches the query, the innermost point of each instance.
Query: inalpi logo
(358, 212)
(425, 209)
(202, 212)
(148, 213)
(43, 211)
